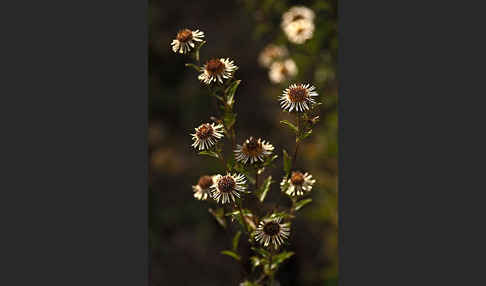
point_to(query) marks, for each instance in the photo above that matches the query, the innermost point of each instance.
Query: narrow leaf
(229, 120)
(290, 125)
(263, 190)
(279, 258)
(230, 92)
(219, 216)
(270, 160)
(287, 162)
(209, 153)
(198, 69)
(232, 254)
(255, 261)
(263, 253)
(302, 203)
(306, 134)
(236, 240)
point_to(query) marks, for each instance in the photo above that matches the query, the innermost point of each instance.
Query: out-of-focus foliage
(185, 239)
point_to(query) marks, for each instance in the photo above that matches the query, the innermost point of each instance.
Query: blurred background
(185, 240)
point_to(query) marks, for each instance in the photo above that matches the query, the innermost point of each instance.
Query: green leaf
(302, 203)
(219, 216)
(263, 190)
(232, 254)
(255, 262)
(248, 283)
(229, 120)
(270, 160)
(262, 252)
(287, 162)
(230, 92)
(209, 153)
(236, 240)
(290, 125)
(281, 257)
(306, 134)
(282, 215)
(198, 69)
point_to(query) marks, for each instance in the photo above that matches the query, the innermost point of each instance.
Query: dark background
(74, 139)
(185, 240)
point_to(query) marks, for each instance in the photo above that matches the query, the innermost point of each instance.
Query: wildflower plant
(242, 178)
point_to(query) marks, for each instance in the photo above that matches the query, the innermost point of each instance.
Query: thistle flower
(207, 135)
(253, 150)
(298, 97)
(226, 188)
(272, 231)
(297, 184)
(186, 40)
(297, 13)
(271, 53)
(299, 31)
(217, 69)
(281, 71)
(202, 189)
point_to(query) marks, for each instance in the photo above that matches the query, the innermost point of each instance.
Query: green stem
(297, 142)
(270, 267)
(243, 218)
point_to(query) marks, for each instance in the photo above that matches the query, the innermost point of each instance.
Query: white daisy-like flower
(272, 231)
(186, 40)
(271, 53)
(282, 71)
(299, 31)
(227, 188)
(297, 13)
(298, 97)
(207, 135)
(297, 184)
(202, 189)
(217, 70)
(253, 150)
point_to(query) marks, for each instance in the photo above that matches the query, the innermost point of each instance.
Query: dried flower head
(297, 13)
(217, 70)
(272, 231)
(202, 189)
(186, 40)
(253, 150)
(207, 135)
(298, 97)
(299, 31)
(297, 184)
(227, 188)
(271, 53)
(282, 71)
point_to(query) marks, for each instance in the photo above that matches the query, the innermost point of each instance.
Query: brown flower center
(215, 67)
(226, 184)
(252, 147)
(284, 70)
(205, 131)
(271, 228)
(298, 94)
(300, 30)
(297, 178)
(205, 182)
(297, 17)
(184, 35)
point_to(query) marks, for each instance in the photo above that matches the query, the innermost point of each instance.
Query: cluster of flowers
(228, 188)
(281, 67)
(298, 26)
